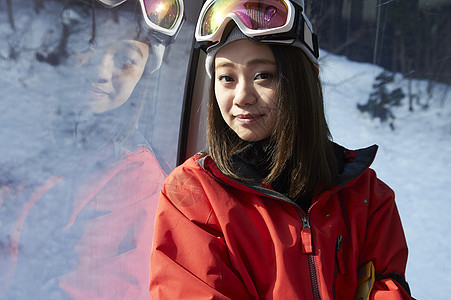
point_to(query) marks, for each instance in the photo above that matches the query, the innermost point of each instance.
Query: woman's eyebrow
(133, 47)
(261, 61)
(224, 65)
(252, 62)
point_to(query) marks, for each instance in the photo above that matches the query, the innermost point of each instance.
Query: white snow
(414, 160)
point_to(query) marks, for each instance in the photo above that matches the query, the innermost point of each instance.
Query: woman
(273, 209)
(79, 223)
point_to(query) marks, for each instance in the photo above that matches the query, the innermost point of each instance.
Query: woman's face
(245, 88)
(115, 75)
(108, 69)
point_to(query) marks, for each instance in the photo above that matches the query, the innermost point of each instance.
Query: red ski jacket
(110, 224)
(216, 238)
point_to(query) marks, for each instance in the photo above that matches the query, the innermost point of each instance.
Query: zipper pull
(339, 239)
(306, 236)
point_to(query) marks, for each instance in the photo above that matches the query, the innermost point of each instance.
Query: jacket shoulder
(187, 176)
(189, 188)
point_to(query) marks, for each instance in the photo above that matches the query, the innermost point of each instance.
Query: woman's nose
(104, 69)
(245, 94)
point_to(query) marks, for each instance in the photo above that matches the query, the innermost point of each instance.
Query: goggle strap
(310, 38)
(306, 34)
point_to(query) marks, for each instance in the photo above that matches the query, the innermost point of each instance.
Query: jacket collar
(354, 163)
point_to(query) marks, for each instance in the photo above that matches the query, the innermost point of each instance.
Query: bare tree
(10, 14)
(38, 4)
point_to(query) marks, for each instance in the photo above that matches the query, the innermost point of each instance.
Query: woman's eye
(264, 76)
(225, 78)
(124, 61)
(83, 56)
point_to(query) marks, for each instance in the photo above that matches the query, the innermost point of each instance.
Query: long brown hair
(301, 139)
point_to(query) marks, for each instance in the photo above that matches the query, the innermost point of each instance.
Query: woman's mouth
(98, 93)
(248, 118)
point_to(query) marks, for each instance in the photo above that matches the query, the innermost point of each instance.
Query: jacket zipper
(307, 248)
(337, 264)
(307, 244)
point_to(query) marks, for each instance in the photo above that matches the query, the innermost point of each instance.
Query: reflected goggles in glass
(164, 16)
(277, 21)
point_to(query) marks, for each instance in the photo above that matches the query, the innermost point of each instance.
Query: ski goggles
(164, 16)
(275, 21)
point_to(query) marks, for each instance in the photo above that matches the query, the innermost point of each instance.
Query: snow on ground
(414, 160)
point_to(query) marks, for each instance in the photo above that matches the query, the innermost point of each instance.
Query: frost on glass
(90, 112)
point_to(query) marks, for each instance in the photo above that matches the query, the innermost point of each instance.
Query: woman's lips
(98, 93)
(248, 118)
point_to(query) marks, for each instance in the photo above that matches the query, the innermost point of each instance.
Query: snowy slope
(414, 160)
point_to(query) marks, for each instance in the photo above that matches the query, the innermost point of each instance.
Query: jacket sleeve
(385, 244)
(189, 258)
(14, 207)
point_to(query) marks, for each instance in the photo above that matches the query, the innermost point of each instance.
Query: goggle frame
(297, 27)
(171, 32)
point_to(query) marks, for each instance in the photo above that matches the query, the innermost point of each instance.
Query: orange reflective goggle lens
(255, 15)
(161, 15)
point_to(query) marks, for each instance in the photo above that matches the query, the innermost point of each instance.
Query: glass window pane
(91, 107)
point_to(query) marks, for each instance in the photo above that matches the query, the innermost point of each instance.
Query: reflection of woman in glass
(82, 224)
